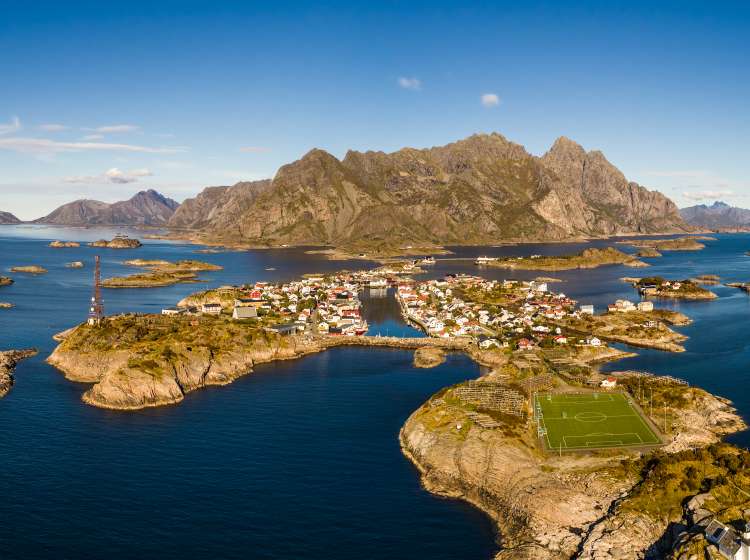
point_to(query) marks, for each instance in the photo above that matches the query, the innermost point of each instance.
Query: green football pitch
(590, 421)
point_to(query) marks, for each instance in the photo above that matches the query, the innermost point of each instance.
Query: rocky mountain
(482, 189)
(717, 216)
(147, 208)
(8, 218)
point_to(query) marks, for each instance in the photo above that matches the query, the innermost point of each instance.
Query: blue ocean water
(299, 459)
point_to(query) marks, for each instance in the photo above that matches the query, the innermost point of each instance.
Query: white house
(645, 306)
(609, 383)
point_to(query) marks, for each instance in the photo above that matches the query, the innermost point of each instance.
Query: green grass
(571, 421)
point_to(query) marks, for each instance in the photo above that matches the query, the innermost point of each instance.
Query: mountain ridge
(718, 215)
(481, 189)
(145, 208)
(8, 218)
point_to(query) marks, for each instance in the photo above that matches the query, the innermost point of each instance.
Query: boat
(427, 261)
(379, 283)
(484, 260)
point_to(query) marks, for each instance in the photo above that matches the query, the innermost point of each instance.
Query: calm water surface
(298, 460)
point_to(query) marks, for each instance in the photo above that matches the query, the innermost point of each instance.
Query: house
(525, 344)
(284, 329)
(244, 312)
(731, 544)
(587, 309)
(593, 341)
(172, 311)
(645, 306)
(211, 309)
(609, 383)
(561, 339)
(489, 343)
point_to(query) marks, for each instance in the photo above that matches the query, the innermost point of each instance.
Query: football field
(570, 421)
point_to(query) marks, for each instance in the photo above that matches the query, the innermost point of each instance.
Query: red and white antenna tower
(96, 311)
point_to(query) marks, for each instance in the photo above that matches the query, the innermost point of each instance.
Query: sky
(103, 99)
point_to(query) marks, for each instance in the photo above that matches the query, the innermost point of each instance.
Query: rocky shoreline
(8, 361)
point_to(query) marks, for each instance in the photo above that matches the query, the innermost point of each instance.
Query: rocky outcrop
(550, 506)
(5, 281)
(146, 208)
(119, 242)
(8, 362)
(31, 269)
(479, 190)
(718, 216)
(428, 357)
(63, 244)
(8, 218)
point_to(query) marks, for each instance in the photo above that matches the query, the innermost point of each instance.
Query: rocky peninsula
(588, 258)
(8, 361)
(160, 273)
(119, 242)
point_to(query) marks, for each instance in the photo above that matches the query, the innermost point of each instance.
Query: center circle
(590, 417)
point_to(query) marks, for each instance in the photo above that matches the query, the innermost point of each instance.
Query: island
(588, 258)
(119, 242)
(8, 361)
(6, 305)
(673, 244)
(64, 244)
(656, 286)
(160, 273)
(648, 252)
(33, 269)
(74, 264)
(429, 357)
(5, 281)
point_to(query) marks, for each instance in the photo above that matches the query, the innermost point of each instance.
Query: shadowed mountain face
(479, 190)
(717, 216)
(8, 218)
(147, 208)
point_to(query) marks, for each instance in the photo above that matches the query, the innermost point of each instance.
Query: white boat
(379, 283)
(484, 260)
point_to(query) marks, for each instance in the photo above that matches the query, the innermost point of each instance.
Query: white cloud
(410, 83)
(490, 100)
(114, 128)
(254, 149)
(52, 127)
(13, 126)
(707, 195)
(113, 175)
(46, 146)
(90, 137)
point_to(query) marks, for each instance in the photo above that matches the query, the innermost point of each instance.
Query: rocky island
(5, 281)
(657, 286)
(160, 273)
(8, 361)
(588, 258)
(119, 242)
(673, 244)
(32, 269)
(64, 244)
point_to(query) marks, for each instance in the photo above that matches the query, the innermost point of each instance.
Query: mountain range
(146, 208)
(719, 215)
(482, 189)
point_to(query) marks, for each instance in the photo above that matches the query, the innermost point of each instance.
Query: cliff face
(147, 208)
(717, 216)
(478, 190)
(8, 218)
(8, 362)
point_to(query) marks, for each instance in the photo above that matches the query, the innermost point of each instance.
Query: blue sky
(103, 99)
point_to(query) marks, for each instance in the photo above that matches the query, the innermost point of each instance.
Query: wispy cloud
(114, 128)
(46, 146)
(410, 83)
(490, 100)
(13, 126)
(707, 195)
(254, 149)
(113, 175)
(52, 127)
(90, 137)
(680, 174)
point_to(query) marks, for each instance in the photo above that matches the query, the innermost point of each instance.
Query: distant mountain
(147, 208)
(483, 189)
(8, 218)
(717, 216)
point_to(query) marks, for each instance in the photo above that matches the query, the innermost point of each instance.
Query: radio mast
(96, 311)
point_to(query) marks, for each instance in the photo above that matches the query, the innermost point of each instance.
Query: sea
(300, 459)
